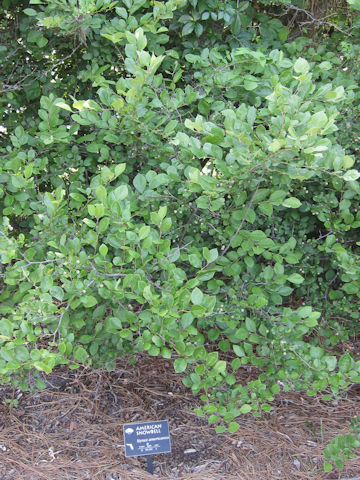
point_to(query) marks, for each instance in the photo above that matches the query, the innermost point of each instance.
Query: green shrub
(179, 192)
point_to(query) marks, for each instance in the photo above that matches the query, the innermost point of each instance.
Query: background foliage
(181, 178)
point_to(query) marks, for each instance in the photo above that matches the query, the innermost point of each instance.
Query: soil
(73, 430)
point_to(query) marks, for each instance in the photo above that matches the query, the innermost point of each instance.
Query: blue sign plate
(147, 438)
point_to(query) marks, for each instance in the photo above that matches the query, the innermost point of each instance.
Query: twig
(60, 320)
(112, 275)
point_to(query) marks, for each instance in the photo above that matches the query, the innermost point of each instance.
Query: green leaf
(245, 408)
(119, 169)
(88, 301)
(162, 212)
(180, 365)
(40, 384)
(250, 82)
(195, 260)
(331, 362)
(186, 320)
(345, 363)
(265, 407)
(86, 339)
(103, 224)
(80, 354)
(141, 40)
(291, 202)
(140, 182)
(43, 367)
(57, 292)
(233, 427)
(166, 352)
(220, 429)
(120, 193)
(188, 28)
(351, 175)
(6, 328)
(250, 324)
(197, 296)
(327, 467)
(144, 232)
(101, 193)
(239, 351)
(21, 353)
(64, 106)
(301, 66)
(316, 122)
(213, 419)
(30, 11)
(220, 367)
(316, 352)
(295, 278)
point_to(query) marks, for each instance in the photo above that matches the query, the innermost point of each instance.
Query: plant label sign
(147, 438)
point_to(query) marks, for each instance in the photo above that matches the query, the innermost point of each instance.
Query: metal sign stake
(149, 464)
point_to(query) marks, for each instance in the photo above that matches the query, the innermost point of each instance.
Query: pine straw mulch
(73, 430)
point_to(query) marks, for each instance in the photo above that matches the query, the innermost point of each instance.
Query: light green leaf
(295, 278)
(239, 351)
(101, 193)
(103, 224)
(220, 429)
(64, 106)
(140, 182)
(144, 232)
(351, 175)
(291, 202)
(88, 301)
(301, 66)
(316, 122)
(186, 320)
(197, 296)
(121, 192)
(180, 365)
(233, 427)
(195, 260)
(345, 363)
(57, 292)
(250, 324)
(220, 366)
(80, 354)
(6, 327)
(245, 408)
(30, 11)
(119, 169)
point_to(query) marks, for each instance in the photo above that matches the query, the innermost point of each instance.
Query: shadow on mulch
(73, 430)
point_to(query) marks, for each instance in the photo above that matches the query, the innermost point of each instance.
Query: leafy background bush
(181, 178)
